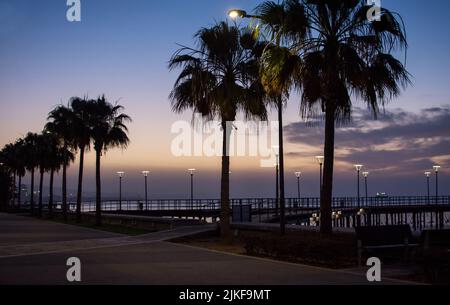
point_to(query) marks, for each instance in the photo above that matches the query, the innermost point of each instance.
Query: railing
(312, 203)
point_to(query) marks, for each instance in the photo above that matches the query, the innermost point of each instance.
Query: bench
(374, 238)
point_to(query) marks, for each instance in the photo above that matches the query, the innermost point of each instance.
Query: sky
(121, 49)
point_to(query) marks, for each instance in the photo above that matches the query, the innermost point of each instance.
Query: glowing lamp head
(145, 173)
(298, 174)
(235, 13)
(120, 174)
(436, 168)
(191, 171)
(320, 159)
(428, 174)
(366, 174)
(358, 167)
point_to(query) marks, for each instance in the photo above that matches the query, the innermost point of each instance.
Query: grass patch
(337, 251)
(112, 228)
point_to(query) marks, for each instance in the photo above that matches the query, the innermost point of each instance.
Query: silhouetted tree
(219, 79)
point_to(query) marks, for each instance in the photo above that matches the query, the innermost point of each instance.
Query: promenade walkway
(35, 252)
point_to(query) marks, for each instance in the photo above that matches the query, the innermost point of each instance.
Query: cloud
(398, 140)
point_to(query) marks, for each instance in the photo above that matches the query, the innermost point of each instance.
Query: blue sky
(121, 48)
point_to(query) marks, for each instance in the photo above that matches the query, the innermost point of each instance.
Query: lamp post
(277, 181)
(120, 174)
(320, 161)
(298, 175)
(358, 171)
(427, 175)
(436, 170)
(366, 175)
(191, 172)
(235, 13)
(145, 173)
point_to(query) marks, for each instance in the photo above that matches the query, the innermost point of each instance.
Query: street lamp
(235, 13)
(358, 171)
(145, 173)
(298, 174)
(120, 174)
(191, 172)
(427, 175)
(436, 170)
(366, 175)
(320, 160)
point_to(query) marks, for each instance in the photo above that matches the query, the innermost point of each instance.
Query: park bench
(371, 239)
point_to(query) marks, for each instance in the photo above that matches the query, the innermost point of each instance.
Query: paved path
(35, 252)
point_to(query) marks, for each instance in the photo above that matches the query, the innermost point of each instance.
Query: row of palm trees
(70, 129)
(328, 51)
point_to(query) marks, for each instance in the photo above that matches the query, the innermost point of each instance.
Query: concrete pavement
(139, 260)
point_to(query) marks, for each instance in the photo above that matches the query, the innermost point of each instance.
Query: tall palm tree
(20, 167)
(43, 155)
(108, 130)
(57, 157)
(31, 162)
(219, 79)
(345, 56)
(6, 187)
(82, 139)
(9, 161)
(61, 125)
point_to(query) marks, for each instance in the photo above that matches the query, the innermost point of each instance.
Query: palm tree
(219, 79)
(109, 130)
(43, 155)
(57, 157)
(344, 56)
(20, 167)
(9, 162)
(82, 139)
(61, 125)
(31, 162)
(6, 187)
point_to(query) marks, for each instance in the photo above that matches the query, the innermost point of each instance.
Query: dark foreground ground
(35, 252)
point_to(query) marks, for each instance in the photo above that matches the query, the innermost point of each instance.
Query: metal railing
(311, 203)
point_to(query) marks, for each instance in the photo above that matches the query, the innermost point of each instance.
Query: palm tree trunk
(80, 184)
(225, 229)
(327, 189)
(64, 185)
(41, 181)
(14, 193)
(20, 192)
(281, 152)
(32, 192)
(50, 200)
(98, 203)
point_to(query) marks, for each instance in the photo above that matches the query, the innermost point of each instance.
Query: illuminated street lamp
(191, 172)
(120, 174)
(145, 174)
(436, 170)
(236, 13)
(428, 175)
(298, 175)
(358, 171)
(366, 175)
